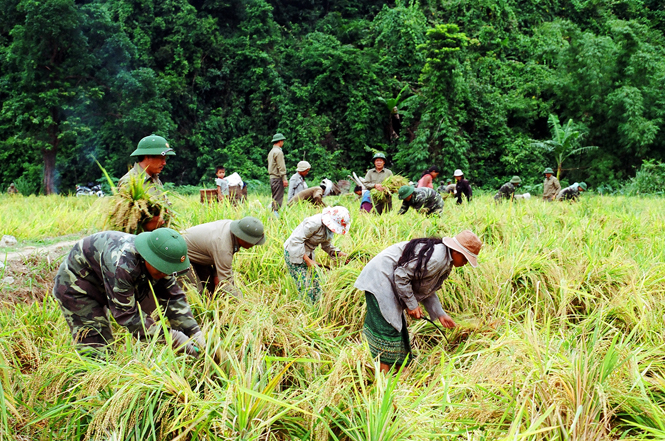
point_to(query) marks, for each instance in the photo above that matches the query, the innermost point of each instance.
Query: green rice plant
(559, 337)
(391, 185)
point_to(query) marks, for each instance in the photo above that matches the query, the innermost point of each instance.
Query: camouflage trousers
(87, 315)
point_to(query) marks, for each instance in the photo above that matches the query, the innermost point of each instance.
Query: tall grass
(560, 337)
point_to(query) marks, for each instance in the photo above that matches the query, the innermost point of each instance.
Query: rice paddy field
(560, 337)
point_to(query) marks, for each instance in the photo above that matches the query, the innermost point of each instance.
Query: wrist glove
(199, 340)
(181, 342)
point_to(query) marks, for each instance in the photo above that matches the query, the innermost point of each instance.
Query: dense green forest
(479, 80)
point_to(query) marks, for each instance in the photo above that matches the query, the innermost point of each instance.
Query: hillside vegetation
(479, 81)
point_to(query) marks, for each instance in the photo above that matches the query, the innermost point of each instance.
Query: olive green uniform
(374, 177)
(551, 188)
(277, 172)
(104, 274)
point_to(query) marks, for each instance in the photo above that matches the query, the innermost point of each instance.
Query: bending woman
(299, 247)
(399, 278)
(428, 177)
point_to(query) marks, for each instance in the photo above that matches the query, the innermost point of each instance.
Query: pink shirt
(426, 181)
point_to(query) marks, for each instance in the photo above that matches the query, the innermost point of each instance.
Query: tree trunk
(49, 170)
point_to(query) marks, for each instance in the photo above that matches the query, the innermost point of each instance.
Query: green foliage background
(218, 77)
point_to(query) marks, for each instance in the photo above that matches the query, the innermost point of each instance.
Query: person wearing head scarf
(398, 279)
(314, 231)
(428, 177)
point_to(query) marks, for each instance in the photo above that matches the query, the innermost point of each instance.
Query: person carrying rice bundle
(151, 154)
(299, 247)
(374, 179)
(398, 279)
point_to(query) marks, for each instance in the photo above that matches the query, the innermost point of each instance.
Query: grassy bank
(560, 337)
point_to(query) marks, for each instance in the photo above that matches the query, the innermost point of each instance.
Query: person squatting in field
(151, 154)
(572, 193)
(112, 272)
(507, 190)
(297, 182)
(422, 199)
(315, 195)
(399, 278)
(299, 247)
(211, 246)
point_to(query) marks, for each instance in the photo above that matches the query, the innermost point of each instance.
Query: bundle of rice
(391, 185)
(134, 204)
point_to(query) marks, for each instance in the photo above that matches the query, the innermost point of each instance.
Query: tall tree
(48, 64)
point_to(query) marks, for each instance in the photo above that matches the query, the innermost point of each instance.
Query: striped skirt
(390, 345)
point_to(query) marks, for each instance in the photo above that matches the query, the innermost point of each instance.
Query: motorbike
(89, 190)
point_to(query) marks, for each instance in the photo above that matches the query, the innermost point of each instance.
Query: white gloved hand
(200, 341)
(182, 342)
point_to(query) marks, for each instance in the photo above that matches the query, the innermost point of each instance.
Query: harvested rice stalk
(391, 185)
(134, 204)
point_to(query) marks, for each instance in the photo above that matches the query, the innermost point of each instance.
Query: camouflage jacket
(506, 191)
(109, 260)
(569, 193)
(423, 198)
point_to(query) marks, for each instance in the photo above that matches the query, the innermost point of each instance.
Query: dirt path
(27, 251)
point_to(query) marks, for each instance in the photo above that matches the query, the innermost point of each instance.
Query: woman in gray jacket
(399, 278)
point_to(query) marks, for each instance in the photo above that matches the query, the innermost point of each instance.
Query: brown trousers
(277, 189)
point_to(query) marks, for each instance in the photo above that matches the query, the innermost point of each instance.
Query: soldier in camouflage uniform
(151, 154)
(112, 272)
(422, 198)
(572, 193)
(507, 190)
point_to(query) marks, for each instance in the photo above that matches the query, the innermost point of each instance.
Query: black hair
(431, 169)
(357, 188)
(219, 167)
(423, 256)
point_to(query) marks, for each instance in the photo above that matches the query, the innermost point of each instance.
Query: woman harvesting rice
(399, 278)
(299, 247)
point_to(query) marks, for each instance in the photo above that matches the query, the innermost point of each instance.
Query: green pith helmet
(278, 137)
(153, 145)
(516, 180)
(164, 249)
(405, 191)
(548, 170)
(378, 155)
(249, 229)
(582, 185)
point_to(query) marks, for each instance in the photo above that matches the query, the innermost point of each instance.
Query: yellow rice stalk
(134, 204)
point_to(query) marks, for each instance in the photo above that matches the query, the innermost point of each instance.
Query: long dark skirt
(390, 345)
